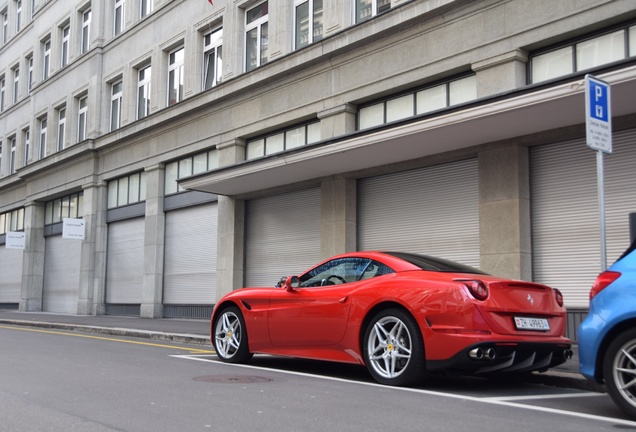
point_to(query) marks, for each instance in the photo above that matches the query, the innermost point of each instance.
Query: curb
(116, 331)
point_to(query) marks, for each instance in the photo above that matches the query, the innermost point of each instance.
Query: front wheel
(230, 336)
(619, 370)
(394, 349)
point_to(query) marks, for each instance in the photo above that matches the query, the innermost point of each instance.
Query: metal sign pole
(601, 208)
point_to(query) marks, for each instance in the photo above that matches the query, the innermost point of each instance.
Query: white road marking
(493, 401)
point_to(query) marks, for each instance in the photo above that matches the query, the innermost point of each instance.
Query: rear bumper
(504, 357)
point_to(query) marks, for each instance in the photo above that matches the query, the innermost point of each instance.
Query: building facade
(206, 147)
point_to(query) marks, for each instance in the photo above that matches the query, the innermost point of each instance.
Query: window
(16, 84)
(0, 157)
(66, 33)
(283, 140)
(366, 9)
(12, 221)
(12, 155)
(115, 105)
(589, 53)
(82, 118)
(61, 128)
(42, 149)
(188, 166)
(146, 8)
(46, 58)
(127, 190)
(5, 28)
(343, 270)
(69, 206)
(143, 92)
(119, 17)
(30, 75)
(2, 92)
(26, 136)
(86, 31)
(308, 30)
(175, 76)
(418, 102)
(18, 15)
(212, 61)
(256, 33)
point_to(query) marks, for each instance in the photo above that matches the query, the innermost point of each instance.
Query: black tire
(393, 349)
(230, 336)
(619, 371)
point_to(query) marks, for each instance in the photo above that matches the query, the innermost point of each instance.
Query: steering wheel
(341, 279)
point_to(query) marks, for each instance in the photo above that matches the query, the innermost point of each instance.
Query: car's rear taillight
(602, 281)
(558, 297)
(477, 288)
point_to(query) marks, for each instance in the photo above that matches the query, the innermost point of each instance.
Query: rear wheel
(230, 336)
(394, 349)
(619, 370)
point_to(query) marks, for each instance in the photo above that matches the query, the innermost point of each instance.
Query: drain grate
(233, 379)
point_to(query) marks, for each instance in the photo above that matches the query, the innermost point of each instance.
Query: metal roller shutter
(190, 255)
(565, 216)
(283, 236)
(125, 262)
(62, 259)
(433, 211)
(10, 275)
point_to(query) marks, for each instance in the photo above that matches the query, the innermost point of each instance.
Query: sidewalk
(196, 331)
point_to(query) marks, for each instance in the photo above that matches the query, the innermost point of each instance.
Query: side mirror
(289, 283)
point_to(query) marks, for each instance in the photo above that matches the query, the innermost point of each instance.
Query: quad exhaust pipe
(482, 354)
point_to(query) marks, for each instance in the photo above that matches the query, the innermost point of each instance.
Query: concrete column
(504, 212)
(154, 239)
(33, 258)
(501, 73)
(90, 212)
(337, 216)
(100, 228)
(231, 227)
(337, 121)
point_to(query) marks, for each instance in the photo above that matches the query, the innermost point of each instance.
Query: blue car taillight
(602, 281)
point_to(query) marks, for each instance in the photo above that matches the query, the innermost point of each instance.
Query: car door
(315, 314)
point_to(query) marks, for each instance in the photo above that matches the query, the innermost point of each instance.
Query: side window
(343, 270)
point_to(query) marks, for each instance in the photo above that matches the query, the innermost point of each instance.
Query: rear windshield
(430, 263)
(628, 251)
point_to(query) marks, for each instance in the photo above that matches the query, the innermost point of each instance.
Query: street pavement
(197, 331)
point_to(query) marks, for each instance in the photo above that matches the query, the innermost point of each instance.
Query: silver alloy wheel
(227, 334)
(624, 371)
(389, 346)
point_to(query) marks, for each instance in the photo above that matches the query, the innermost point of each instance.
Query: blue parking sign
(598, 118)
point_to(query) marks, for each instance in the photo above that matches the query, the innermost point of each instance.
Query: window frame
(116, 103)
(176, 75)
(61, 128)
(213, 49)
(85, 45)
(42, 141)
(46, 58)
(257, 24)
(65, 49)
(82, 118)
(312, 14)
(144, 84)
(119, 17)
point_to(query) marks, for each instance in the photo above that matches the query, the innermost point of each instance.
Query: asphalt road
(56, 380)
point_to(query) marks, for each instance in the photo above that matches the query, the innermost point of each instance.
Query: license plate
(539, 324)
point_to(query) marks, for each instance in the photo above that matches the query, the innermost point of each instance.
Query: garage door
(565, 215)
(433, 211)
(10, 274)
(283, 236)
(190, 255)
(125, 262)
(61, 275)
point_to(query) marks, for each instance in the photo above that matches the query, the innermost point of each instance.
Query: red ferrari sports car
(402, 315)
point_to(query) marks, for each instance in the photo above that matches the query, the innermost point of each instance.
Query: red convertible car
(402, 315)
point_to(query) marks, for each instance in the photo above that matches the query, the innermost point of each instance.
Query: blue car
(607, 337)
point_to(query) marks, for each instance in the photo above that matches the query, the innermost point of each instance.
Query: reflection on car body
(402, 315)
